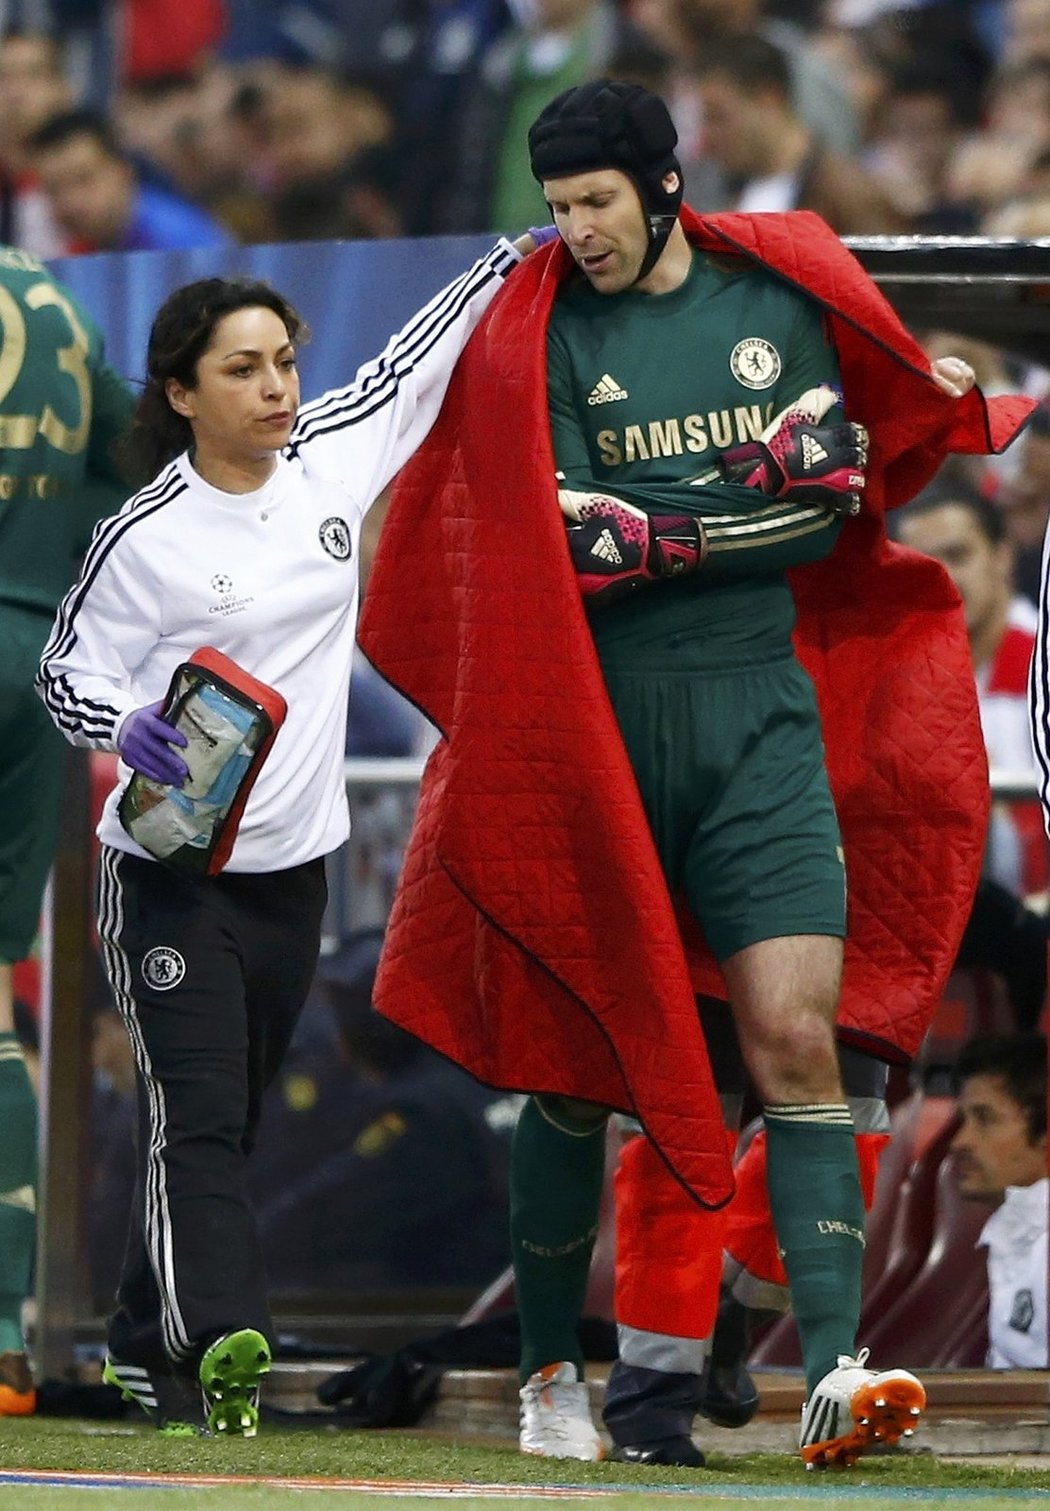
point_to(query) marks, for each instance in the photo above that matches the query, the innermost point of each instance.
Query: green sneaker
(230, 1371)
(170, 1403)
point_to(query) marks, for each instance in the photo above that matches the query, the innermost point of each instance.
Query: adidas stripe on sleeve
(747, 533)
(363, 434)
(106, 624)
(779, 535)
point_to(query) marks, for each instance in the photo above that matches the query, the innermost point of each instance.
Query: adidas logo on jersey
(606, 549)
(606, 391)
(812, 451)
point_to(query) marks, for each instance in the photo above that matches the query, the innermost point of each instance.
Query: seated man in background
(1000, 1155)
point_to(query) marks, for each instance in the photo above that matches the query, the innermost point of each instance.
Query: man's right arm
(104, 487)
(112, 407)
(637, 537)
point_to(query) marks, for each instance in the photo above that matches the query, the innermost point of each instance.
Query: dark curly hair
(1019, 1060)
(181, 331)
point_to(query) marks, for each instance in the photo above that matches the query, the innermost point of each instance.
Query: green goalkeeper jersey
(645, 391)
(61, 408)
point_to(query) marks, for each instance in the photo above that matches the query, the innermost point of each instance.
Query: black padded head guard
(610, 125)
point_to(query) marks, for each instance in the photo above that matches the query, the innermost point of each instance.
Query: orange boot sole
(884, 1410)
(17, 1403)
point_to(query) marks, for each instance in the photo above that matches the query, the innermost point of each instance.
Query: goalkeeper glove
(796, 456)
(617, 548)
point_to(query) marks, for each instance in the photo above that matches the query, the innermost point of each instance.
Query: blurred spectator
(1028, 216)
(33, 87)
(386, 1169)
(158, 38)
(772, 158)
(114, 43)
(952, 522)
(99, 200)
(1000, 1155)
(684, 29)
(923, 117)
(192, 131)
(156, 121)
(907, 32)
(324, 143)
(861, 67)
(1027, 28)
(995, 162)
(928, 60)
(558, 44)
(1025, 502)
(335, 119)
(326, 33)
(315, 123)
(428, 54)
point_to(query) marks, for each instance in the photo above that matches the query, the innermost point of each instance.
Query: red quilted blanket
(532, 937)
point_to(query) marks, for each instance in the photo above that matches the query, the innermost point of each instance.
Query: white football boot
(555, 1417)
(853, 1408)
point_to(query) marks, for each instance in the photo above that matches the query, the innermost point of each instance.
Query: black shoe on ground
(170, 1402)
(728, 1397)
(682, 1452)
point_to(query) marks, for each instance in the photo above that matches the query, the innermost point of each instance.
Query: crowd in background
(130, 124)
(264, 120)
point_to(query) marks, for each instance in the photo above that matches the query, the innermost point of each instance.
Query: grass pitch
(291, 1467)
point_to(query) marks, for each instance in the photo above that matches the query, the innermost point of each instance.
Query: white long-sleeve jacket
(269, 578)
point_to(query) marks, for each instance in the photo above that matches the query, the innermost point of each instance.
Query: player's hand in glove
(617, 548)
(145, 742)
(796, 455)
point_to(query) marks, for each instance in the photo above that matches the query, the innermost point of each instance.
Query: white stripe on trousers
(156, 1210)
(1039, 686)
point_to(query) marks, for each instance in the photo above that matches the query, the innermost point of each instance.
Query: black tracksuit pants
(209, 975)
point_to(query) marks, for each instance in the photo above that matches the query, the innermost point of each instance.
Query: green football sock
(555, 1190)
(818, 1213)
(17, 1190)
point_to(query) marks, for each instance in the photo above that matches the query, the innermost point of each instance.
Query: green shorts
(730, 765)
(32, 763)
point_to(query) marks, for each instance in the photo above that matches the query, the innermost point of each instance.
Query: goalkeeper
(532, 937)
(701, 454)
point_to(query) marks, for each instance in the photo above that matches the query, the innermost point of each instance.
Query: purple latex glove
(145, 743)
(541, 235)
